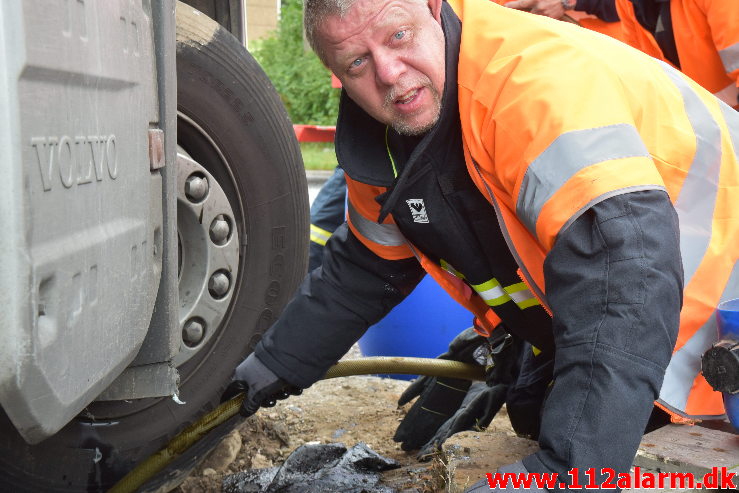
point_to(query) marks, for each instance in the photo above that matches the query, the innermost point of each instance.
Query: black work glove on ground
(476, 411)
(438, 398)
(448, 406)
(262, 387)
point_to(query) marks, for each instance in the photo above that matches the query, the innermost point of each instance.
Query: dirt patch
(364, 409)
(347, 410)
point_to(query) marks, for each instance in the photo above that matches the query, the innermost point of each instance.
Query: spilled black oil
(327, 468)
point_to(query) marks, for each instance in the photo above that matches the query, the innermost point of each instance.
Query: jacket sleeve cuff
(304, 378)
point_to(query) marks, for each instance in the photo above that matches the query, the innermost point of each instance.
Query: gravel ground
(346, 410)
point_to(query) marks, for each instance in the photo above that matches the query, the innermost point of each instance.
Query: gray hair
(315, 13)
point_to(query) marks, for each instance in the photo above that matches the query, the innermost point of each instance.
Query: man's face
(389, 56)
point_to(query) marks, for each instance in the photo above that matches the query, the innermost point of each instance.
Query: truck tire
(232, 123)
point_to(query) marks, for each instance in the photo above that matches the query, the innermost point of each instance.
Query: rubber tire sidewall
(225, 92)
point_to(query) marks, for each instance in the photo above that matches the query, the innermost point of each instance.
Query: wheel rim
(208, 256)
(198, 154)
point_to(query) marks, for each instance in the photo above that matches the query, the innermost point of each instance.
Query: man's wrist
(569, 4)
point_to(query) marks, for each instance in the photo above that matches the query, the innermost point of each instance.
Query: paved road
(316, 179)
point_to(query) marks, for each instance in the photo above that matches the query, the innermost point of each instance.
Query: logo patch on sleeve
(418, 209)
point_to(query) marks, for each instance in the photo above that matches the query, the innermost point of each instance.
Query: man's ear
(435, 8)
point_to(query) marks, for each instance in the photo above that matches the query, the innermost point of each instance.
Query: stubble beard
(401, 124)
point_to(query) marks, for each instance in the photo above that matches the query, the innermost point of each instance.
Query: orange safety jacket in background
(589, 21)
(706, 36)
(551, 125)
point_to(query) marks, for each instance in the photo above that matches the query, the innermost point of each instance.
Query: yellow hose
(139, 475)
(407, 366)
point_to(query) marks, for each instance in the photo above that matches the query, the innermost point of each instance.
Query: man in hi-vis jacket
(699, 37)
(558, 181)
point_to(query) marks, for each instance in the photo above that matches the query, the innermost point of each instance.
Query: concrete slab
(468, 456)
(694, 449)
(472, 454)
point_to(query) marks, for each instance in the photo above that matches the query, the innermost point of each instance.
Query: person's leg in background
(326, 214)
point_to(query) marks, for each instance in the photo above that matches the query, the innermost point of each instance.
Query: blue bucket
(727, 315)
(421, 326)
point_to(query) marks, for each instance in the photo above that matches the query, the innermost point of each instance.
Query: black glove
(476, 411)
(504, 358)
(438, 398)
(441, 412)
(262, 387)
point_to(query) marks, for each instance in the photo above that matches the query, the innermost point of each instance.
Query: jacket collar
(360, 139)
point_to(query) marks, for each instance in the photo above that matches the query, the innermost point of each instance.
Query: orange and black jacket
(700, 37)
(597, 15)
(536, 193)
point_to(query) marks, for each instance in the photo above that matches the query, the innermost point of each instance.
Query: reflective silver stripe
(492, 292)
(730, 57)
(675, 410)
(319, 235)
(685, 365)
(495, 295)
(450, 268)
(566, 156)
(731, 117)
(686, 362)
(523, 297)
(697, 198)
(382, 234)
(511, 247)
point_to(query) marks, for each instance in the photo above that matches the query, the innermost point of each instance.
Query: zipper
(390, 154)
(522, 272)
(528, 285)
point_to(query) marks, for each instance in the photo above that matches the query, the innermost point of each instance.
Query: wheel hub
(209, 255)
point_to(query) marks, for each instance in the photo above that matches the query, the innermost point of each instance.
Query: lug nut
(219, 284)
(196, 187)
(220, 229)
(193, 332)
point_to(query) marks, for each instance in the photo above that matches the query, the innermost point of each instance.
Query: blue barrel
(421, 326)
(727, 315)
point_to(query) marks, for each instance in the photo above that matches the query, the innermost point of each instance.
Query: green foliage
(303, 83)
(318, 155)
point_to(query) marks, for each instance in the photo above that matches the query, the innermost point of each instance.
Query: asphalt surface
(316, 179)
